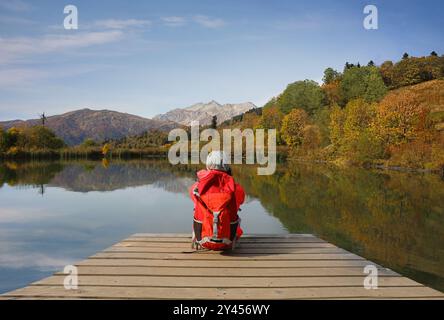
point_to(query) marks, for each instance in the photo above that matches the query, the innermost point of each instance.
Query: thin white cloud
(12, 49)
(15, 5)
(122, 24)
(208, 22)
(18, 77)
(174, 21)
(21, 77)
(5, 19)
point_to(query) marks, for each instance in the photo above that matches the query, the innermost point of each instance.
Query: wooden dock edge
(264, 266)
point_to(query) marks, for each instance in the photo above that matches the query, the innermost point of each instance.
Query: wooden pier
(163, 266)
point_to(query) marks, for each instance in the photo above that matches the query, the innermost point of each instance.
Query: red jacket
(214, 180)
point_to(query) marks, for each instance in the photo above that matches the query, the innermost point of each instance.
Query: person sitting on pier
(217, 198)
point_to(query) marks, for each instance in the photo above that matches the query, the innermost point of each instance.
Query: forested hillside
(390, 115)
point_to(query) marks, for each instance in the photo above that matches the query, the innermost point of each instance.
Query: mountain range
(76, 126)
(204, 112)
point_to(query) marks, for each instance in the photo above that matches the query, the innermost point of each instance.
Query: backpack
(216, 231)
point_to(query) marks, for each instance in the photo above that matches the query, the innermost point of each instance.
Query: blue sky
(147, 57)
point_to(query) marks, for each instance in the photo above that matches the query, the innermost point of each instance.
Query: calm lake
(57, 213)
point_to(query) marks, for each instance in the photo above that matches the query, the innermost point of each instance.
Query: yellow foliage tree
(106, 149)
(358, 117)
(293, 125)
(337, 119)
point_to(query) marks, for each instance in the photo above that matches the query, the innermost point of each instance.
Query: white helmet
(217, 160)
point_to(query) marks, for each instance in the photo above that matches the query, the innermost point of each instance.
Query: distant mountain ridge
(76, 126)
(100, 125)
(204, 112)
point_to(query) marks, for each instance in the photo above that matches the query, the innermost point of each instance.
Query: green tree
(213, 122)
(322, 120)
(364, 82)
(88, 143)
(12, 136)
(330, 75)
(376, 88)
(306, 95)
(39, 137)
(3, 140)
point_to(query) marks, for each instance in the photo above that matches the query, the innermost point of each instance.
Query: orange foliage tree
(400, 118)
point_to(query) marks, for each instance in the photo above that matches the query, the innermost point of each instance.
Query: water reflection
(87, 207)
(396, 219)
(393, 218)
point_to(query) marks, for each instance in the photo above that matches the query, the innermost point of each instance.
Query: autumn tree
(106, 149)
(332, 92)
(337, 119)
(358, 141)
(293, 126)
(311, 137)
(386, 70)
(416, 70)
(272, 119)
(350, 131)
(400, 117)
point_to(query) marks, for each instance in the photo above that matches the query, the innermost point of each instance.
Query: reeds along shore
(82, 153)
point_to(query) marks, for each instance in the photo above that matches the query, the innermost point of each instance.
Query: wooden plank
(148, 266)
(227, 272)
(250, 240)
(237, 251)
(245, 236)
(241, 245)
(227, 282)
(225, 263)
(226, 256)
(224, 293)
